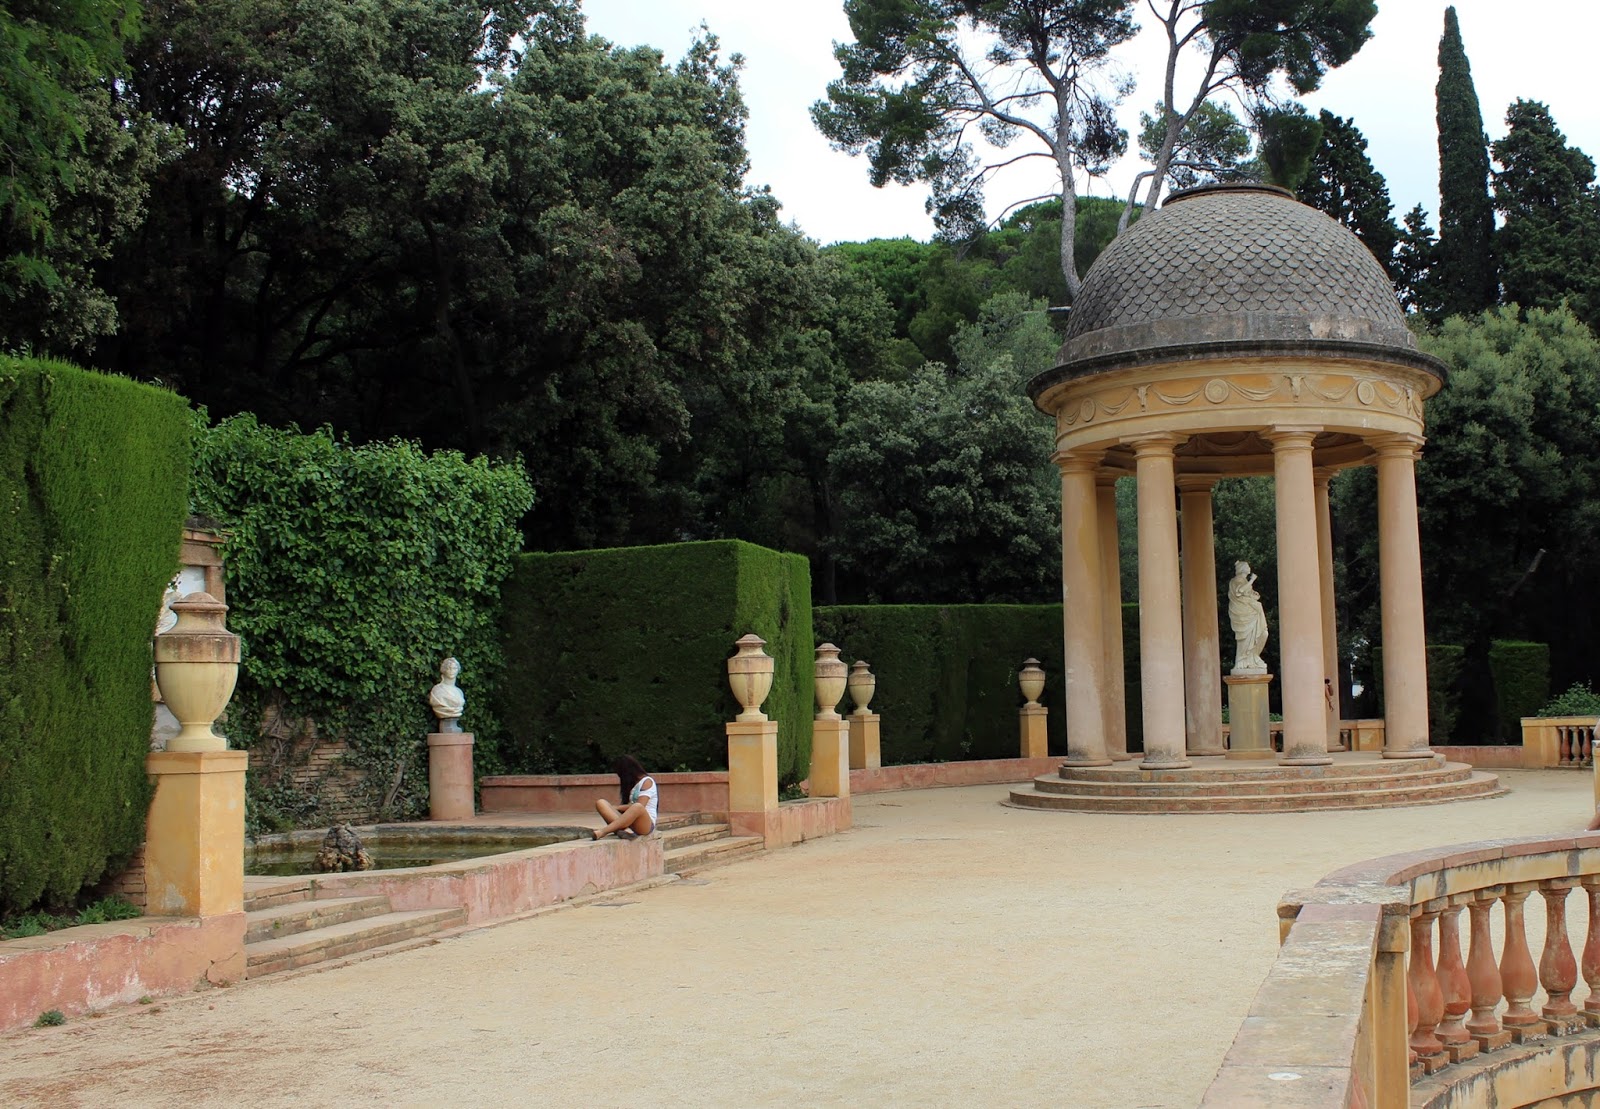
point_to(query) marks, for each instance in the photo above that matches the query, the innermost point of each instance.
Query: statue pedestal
(753, 779)
(1249, 734)
(450, 776)
(1035, 738)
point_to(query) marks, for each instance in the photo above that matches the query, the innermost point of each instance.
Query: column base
(1164, 764)
(1207, 752)
(1121, 756)
(1414, 753)
(1306, 760)
(1252, 755)
(450, 776)
(1070, 761)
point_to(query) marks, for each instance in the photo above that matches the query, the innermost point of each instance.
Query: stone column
(1160, 610)
(1113, 697)
(1202, 644)
(1405, 653)
(1305, 730)
(1330, 629)
(1081, 582)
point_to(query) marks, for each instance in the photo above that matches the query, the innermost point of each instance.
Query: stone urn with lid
(197, 663)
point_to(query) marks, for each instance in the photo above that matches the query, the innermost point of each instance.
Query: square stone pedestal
(1248, 722)
(194, 840)
(866, 749)
(1031, 722)
(450, 776)
(830, 757)
(753, 778)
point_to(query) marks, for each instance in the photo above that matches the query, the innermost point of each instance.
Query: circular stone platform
(1353, 781)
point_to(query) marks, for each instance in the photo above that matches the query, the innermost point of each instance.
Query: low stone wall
(80, 970)
(506, 885)
(930, 775)
(705, 791)
(795, 822)
(1497, 757)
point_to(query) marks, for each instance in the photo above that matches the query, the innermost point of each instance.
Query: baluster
(1591, 951)
(1425, 982)
(1558, 970)
(1563, 745)
(1485, 974)
(1454, 983)
(1517, 972)
(1411, 1029)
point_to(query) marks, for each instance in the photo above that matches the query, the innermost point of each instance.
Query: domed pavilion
(1233, 332)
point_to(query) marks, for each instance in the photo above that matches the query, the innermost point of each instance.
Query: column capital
(1322, 475)
(1105, 479)
(1197, 483)
(1157, 444)
(1291, 438)
(1396, 446)
(1078, 462)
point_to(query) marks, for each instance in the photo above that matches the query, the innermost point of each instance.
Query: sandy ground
(946, 951)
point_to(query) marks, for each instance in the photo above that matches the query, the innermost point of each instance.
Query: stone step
(264, 893)
(685, 861)
(339, 940)
(294, 917)
(1333, 780)
(1216, 769)
(1478, 785)
(688, 834)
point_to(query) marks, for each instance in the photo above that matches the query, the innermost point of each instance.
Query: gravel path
(946, 951)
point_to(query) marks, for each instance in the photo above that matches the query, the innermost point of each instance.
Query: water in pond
(392, 853)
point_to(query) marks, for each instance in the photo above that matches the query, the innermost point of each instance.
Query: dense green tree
(1465, 259)
(1344, 184)
(922, 76)
(1548, 245)
(945, 491)
(1244, 45)
(68, 178)
(1290, 138)
(1415, 267)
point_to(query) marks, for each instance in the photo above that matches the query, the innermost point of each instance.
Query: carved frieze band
(1338, 390)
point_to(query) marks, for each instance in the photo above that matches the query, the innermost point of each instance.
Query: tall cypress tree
(1468, 283)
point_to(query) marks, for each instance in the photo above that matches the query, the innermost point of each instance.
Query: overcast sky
(1538, 49)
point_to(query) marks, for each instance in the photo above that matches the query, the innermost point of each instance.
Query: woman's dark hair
(629, 772)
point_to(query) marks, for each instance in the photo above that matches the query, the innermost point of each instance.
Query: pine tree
(1344, 184)
(1549, 244)
(1466, 271)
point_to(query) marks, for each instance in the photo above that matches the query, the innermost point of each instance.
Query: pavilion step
(294, 917)
(685, 861)
(1478, 785)
(1333, 781)
(1206, 769)
(265, 893)
(339, 940)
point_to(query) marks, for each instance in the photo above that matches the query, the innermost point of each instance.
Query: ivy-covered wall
(93, 478)
(625, 651)
(352, 571)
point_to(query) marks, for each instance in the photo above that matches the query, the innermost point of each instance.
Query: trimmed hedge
(94, 475)
(1521, 681)
(625, 651)
(947, 674)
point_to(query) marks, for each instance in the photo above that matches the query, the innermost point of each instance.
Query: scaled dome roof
(1232, 270)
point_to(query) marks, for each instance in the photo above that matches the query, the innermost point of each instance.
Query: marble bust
(1249, 621)
(446, 700)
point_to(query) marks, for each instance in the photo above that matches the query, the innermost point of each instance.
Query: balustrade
(1457, 1010)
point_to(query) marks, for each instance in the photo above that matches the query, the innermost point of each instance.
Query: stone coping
(93, 966)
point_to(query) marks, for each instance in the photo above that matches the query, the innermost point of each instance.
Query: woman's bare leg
(635, 817)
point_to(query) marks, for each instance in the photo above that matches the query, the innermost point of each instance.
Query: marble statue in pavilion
(1249, 620)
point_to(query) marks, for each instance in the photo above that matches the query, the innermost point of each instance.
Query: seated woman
(638, 815)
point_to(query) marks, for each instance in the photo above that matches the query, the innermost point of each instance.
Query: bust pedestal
(450, 776)
(1249, 735)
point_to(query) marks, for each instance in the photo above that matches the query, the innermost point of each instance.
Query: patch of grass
(146, 999)
(50, 1018)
